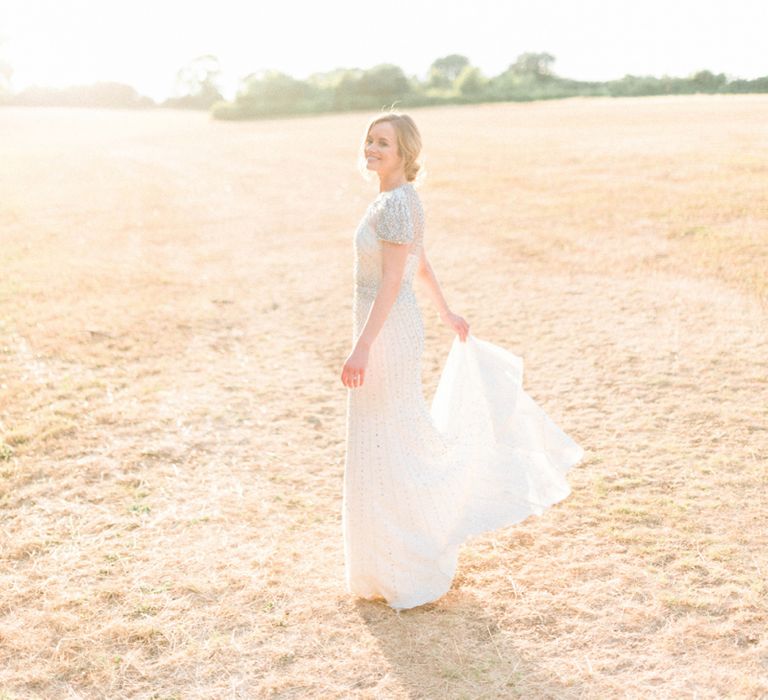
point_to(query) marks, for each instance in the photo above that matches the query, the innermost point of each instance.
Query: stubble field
(175, 308)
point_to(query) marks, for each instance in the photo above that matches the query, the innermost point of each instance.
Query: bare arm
(395, 230)
(426, 274)
(394, 256)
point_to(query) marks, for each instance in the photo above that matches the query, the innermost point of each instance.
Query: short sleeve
(394, 222)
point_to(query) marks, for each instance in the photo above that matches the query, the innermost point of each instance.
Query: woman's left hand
(457, 324)
(353, 372)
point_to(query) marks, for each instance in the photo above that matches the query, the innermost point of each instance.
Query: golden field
(175, 309)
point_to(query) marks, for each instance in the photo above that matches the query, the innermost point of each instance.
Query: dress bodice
(397, 216)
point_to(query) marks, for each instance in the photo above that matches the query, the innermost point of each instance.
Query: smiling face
(381, 152)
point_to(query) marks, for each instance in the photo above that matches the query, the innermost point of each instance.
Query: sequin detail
(395, 215)
(418, 481)
(398, 216)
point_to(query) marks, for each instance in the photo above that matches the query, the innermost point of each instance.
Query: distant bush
(756, 85)
(199, 84)
(451, 79)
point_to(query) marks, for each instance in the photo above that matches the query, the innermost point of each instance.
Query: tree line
(450, 79)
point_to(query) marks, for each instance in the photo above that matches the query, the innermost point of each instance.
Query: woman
(418, 481)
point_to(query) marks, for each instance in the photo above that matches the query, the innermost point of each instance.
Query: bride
(420, 480)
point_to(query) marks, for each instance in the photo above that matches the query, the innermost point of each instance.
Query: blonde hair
(408, 144)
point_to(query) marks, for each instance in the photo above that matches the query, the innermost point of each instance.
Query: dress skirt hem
(488, 457)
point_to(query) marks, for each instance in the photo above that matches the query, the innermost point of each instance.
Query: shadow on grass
(452, 648)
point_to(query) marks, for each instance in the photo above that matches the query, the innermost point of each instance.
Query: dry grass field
(175, 308)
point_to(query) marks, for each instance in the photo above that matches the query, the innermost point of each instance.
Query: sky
(142, 43)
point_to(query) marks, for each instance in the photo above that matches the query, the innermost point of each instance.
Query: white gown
(419, 482)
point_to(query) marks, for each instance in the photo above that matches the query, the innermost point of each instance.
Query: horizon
(57, 45)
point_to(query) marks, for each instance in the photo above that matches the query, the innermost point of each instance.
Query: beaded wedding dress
(419, 481)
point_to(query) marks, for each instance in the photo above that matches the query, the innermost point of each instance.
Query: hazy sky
(64, 42)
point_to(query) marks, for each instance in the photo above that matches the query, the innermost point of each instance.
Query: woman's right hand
(456, 323)
(353, 371)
